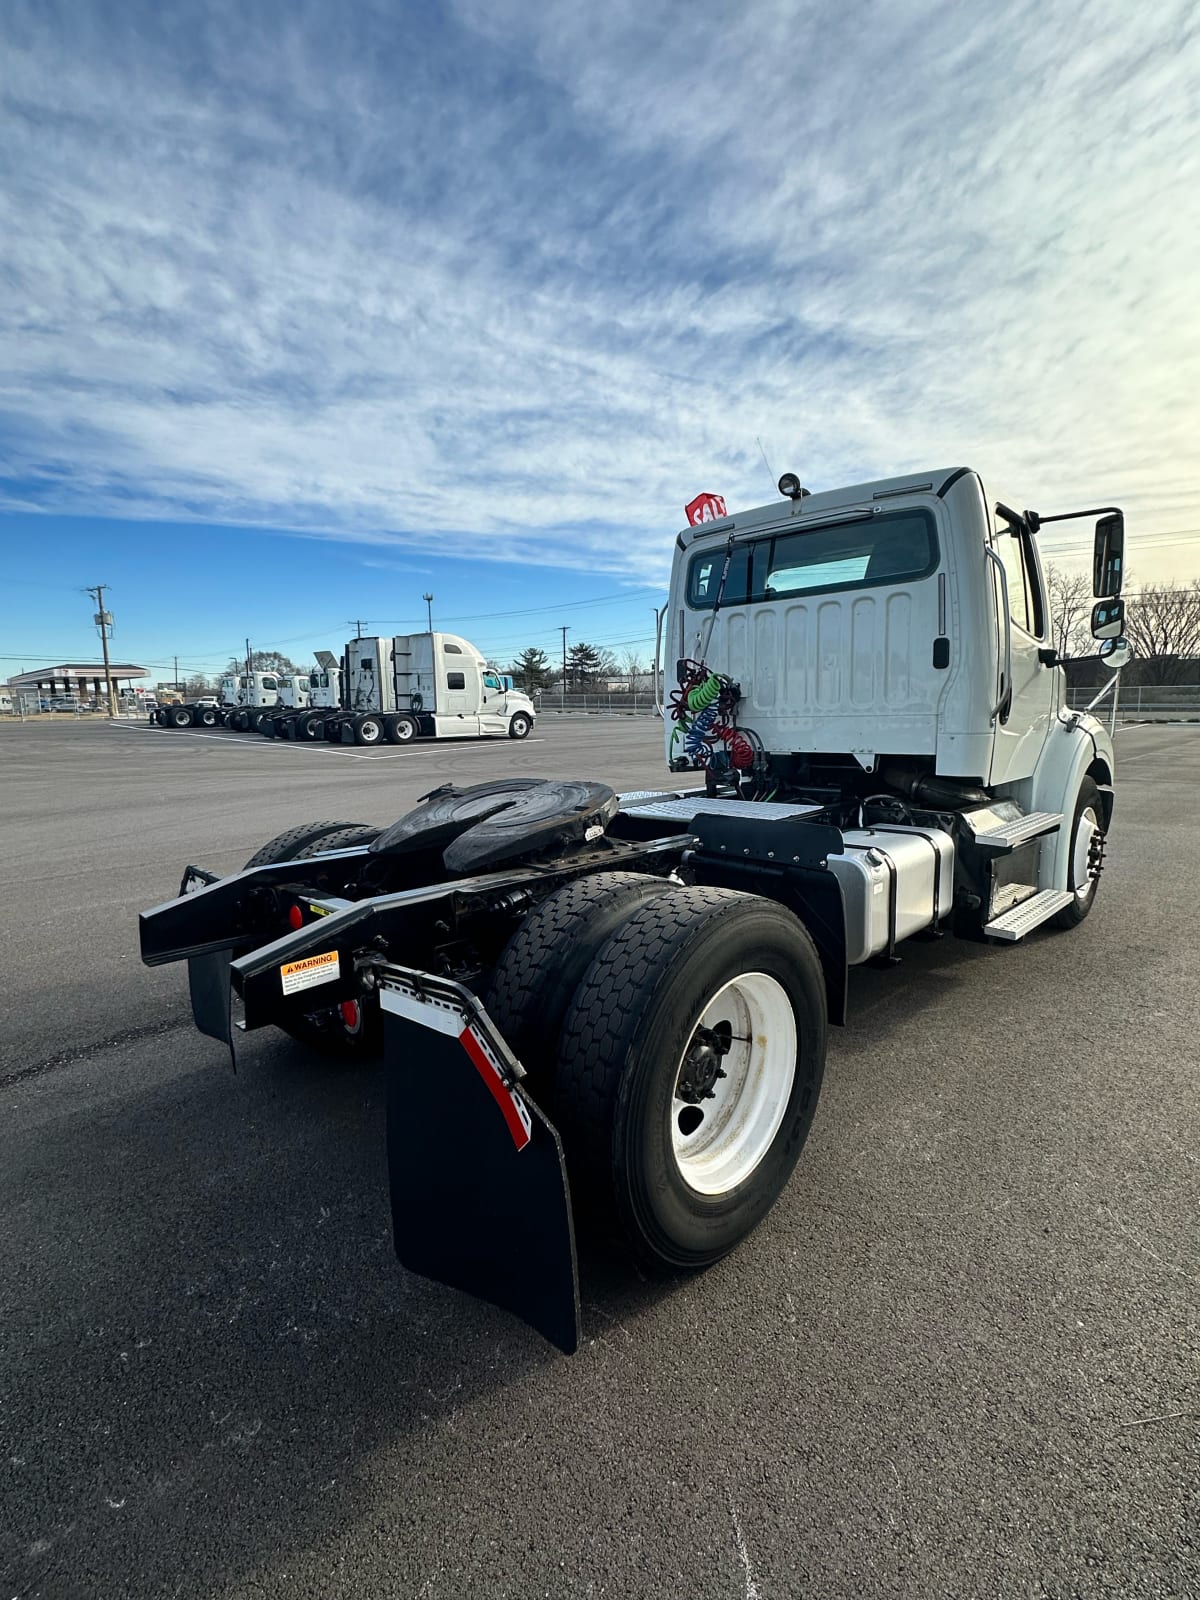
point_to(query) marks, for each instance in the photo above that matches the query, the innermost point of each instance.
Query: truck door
(1029, 698)
(493, 710)
(268, 690)
(458, 701)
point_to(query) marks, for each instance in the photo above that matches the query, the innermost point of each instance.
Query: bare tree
(1070, 612)
(1163, 626)
(631, 666)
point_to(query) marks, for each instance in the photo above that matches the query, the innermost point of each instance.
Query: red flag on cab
(705, 508)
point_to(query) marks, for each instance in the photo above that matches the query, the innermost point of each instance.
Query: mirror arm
(1107, 690)
(1035, 518)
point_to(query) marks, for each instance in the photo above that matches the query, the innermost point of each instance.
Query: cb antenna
(766, 463)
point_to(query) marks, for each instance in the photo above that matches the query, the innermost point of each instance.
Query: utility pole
(428, 599)
(249, 669)
(177, 672)
(104, 622)
(358, 628)
(562, 685)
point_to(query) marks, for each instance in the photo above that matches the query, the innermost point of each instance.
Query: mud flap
(478, 1182)
(212, 1000)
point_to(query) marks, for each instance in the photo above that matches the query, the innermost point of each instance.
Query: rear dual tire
(686, 1155)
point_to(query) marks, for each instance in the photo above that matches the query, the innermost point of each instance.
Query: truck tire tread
(344, 838)
(605, 1028)
(541, 966)
(286, 846)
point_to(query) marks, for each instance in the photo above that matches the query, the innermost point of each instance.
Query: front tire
(688, 1153)
(1087, 854)
(520, 726)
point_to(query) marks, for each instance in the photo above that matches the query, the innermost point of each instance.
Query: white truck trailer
(871, 743)
(425, 686)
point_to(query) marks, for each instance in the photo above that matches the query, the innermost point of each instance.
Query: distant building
(78, 680)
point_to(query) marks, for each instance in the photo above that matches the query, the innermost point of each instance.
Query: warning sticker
(311, 971)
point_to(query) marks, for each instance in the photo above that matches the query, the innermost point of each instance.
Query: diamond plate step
(1021, 831)
(1030, 914)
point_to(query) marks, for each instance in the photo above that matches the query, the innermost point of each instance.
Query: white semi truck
(871, 743)
(303, 701)
(240, 701)
(425, 686)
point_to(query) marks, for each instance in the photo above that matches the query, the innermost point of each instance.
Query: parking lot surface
(961, 1357)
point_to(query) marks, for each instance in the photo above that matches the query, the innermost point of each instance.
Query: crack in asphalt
(67, 1058)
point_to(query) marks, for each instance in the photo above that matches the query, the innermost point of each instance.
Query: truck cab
(427, 686)
(294, 692)
(895, 635)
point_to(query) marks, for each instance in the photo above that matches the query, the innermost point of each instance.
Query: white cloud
(531, 284)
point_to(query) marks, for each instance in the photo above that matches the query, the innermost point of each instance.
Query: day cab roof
(935, 481)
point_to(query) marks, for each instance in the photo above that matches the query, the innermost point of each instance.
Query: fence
(1135, 702)
(1144, 702)
(628, 702)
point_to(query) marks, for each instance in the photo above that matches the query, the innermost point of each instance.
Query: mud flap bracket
(478, 1182)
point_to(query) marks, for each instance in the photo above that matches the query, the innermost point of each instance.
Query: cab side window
(1026, 603)
(456, 680)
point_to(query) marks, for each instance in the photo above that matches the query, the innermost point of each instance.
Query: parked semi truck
(303, 698)
(424, 686)
(240, 701)
(619, 1004)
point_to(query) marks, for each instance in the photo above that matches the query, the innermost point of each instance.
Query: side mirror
(1115, 653)
(1108, 561)
(1108, 619)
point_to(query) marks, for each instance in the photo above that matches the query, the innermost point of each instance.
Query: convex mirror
(1115, 653)
(1108, 619)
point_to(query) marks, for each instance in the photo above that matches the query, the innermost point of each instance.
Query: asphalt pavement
(960, 1358)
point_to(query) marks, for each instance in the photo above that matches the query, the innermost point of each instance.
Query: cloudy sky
(308, 309)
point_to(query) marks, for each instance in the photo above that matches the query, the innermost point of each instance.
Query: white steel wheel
(369, 731)
(520, 726)
(695, 983)
(1087, 826)
(733, 1083)
(1087, 856)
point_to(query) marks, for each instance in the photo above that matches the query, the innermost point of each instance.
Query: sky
(309, 310)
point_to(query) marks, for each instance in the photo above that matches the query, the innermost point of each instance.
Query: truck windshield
(893, 547)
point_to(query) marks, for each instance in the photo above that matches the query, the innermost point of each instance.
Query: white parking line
(465, 746)
(245, 742)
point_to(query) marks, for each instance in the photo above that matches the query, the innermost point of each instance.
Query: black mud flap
(479, 1186)
(212, 999)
